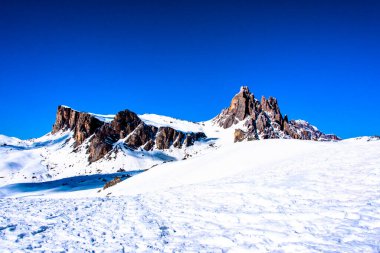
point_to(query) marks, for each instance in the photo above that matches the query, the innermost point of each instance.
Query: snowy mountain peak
(263, 120)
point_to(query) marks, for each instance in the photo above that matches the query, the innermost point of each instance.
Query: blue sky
(187, 59)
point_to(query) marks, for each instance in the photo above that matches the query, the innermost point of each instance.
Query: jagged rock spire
(241, 104)
(263, 120)
(244, 105)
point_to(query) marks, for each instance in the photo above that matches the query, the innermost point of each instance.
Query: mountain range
(83, 143)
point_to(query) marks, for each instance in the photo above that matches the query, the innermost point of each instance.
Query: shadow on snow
(77, 183)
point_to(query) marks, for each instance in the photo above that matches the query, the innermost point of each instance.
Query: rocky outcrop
(263, 120)
(125, 126)
(141, 135)
(239, 135)
(111, 183)
(83, 124)
(102, 142)
(193, 137)
(168, 136)
(125, 122)
(300, 129)
(242, 105)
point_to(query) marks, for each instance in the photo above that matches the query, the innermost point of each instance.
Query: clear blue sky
(187, 59)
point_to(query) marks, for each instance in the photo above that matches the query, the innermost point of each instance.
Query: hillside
(272, 195)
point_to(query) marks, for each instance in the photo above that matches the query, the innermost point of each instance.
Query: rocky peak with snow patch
(263, 120)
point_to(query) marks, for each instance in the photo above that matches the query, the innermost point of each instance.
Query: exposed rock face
(111, 183)
(141, 135)
(241, 106)
(102, 142)
(83, 124)
(263, 120)
(125, 122)
(168, 136)
(239, 135)
(126, 126)
(192, 137)
(300, 129)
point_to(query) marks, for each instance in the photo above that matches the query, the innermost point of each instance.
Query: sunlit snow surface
(259, 196)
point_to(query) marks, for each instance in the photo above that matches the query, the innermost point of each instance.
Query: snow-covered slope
(162, 121)
(263, 196)
(9, 140)
(53, 157)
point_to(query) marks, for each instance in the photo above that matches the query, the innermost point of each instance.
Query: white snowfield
(258, 196)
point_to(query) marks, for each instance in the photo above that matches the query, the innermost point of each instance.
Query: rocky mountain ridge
(251, 118)
(125, 126)
(263, 120)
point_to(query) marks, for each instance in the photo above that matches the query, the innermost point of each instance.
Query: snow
(306, 124)
(260, 196)
(163, 121)
(158, 121)
(8, 140)
(103, 117)
(214, 165)
(364, 138)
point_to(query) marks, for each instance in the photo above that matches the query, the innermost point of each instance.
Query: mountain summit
(254, 120)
